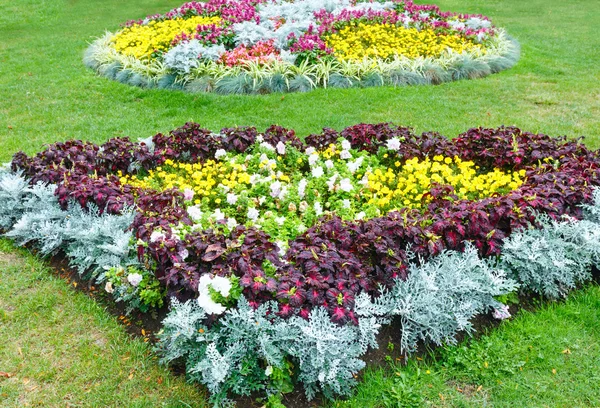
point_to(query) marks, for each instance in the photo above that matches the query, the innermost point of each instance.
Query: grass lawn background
(47, 95)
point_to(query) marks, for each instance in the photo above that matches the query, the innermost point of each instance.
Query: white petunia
(156, 236)
(331, 182)
(261, 200)
(188, 194)
(312, 159)
(302, 187)
(134, 279)
(280, 148)
(232, 198)
(329, 164)
(355, 165)
(317, 172)
(346, 203)
(393, 143)
(253, 214)
(184, 253)
(280, 220)
(259, 139)
(267, 146)
(194, 213)
(221, 285)
(346, 185)
(209, 305)
(309, 150)
(318, 208)
(218, 215)
(275, 189)
(220, 153)
(345, 154)
(360, 215)
(346, 145)
(231, 223)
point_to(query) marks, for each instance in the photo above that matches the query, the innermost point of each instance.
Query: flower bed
(262, 46)
(281, 258)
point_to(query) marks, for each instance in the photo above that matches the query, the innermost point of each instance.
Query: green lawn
(62, 349)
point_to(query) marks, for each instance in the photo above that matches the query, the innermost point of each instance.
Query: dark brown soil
(145, 325)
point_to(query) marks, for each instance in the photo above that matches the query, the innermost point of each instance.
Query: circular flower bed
(282, 257)
(254, 46)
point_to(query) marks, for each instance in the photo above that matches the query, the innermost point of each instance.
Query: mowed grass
(46, 94)
(546, 358)
(59, 348)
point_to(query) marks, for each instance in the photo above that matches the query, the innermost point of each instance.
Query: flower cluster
(155, 37)
(357, 42)
(315, 224)
(304, 38)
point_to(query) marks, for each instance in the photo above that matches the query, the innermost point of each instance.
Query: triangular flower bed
(252, 46)
(282, 258)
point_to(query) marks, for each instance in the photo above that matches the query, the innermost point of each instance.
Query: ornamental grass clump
(250, 46)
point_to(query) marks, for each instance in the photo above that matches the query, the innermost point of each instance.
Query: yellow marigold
(385, 41)
(141, 41)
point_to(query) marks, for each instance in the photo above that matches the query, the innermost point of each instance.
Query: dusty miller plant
(555, 258)
(440, 297)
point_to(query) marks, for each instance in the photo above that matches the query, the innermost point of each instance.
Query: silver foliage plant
(92, 241)
(440, 297)
(555, 258)
(433, 304)
(257, 342)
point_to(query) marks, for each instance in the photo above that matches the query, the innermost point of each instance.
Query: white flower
(345, 154)
(109, 287)
(317, 172)
(346, 203)
(275, 189)
(329, 164)
(254, 178)
(393, 143)
(261, 200)
(331, 181)
(263, 157)
(156, 236)
(184, 253)
(209, 305)
(355, 165)
(501, 313)
(346, 144)
(318, 208)
(346, 185)
(267, 146)
(231, 223)
(232, 198)
(259, 139)
(302, 187)
(309, 150)
(280, 220)
(282, 247)
(221, 285)
(303, 206)
(188, 194)
(280, 148)
(203, 283)
(360, 215)
(220, 153)
(195, 213)
(253, 214)
(218, 215)
(134, 279)
(268, 371)
(312, 159)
